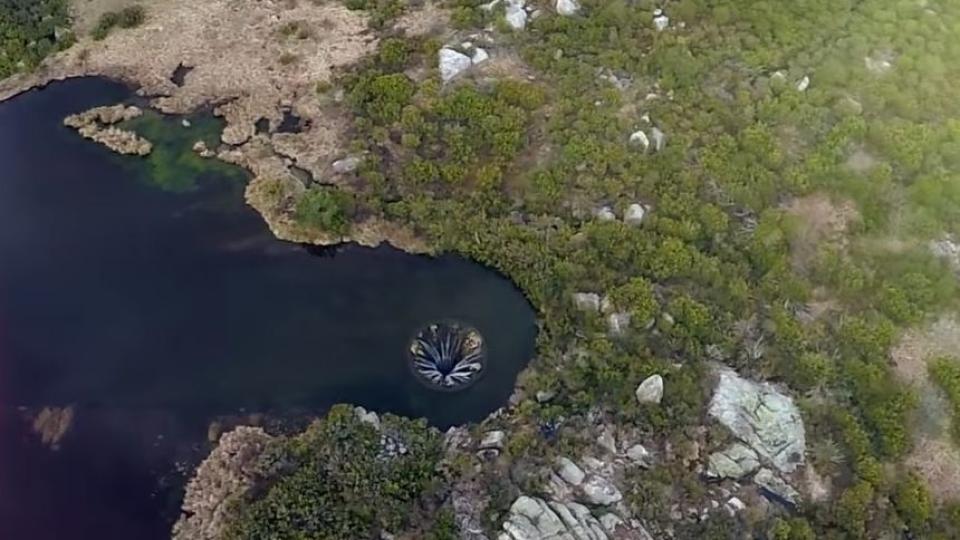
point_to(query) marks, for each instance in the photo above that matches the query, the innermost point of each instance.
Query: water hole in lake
(146, 296)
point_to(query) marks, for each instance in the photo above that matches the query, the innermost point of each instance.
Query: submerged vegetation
(173, 164)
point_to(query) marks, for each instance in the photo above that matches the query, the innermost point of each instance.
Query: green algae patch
(174, 165)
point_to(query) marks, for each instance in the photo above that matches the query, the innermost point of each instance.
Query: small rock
(607, 441)
(543, 396)
(515, 14)
(346, 165)
(493, 440)
(774, 486)
(618, 323)
(570, 471)
(879, 63)
(650, 390)
(200, 148)
(762, 417)
(736, 461)
(659, 139)
(479, 55)
(639, 138)
(734, 506)
(452, 64)
(634, 214)
(611, 522)
(639, 455)
(661, 22)
(600, 491)
(947, 250)
(490, 5)
(568, 7)
(803, 84)
(604, 213)
(587, 301)
(368, 417)
(185, 123)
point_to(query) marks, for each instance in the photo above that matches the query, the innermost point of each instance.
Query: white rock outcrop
(221, 479)
(640, 139)
(803, 84)
(570, 472)
(346, 165)
(639, 455)
(587, 301)
(599, 491)
(762, 417)
(659, 139)
(479, 56)
(775, 486)
(493, 440)
(618, 323)
(568, 7)
(604, 213)
(735, 462)
(947, 250)
(634, 214)
(532, 518)
(660, 21)
(516, 15)
(452, 64)
(650, 390)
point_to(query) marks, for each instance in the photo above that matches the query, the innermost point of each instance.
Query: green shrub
(128, 17)
(334, 482)
(913, 503)
(326, 209)
(945, 372)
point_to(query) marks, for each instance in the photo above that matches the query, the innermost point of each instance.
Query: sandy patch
(820, 221)
(934, 456)
(430, 18)
(861, 161)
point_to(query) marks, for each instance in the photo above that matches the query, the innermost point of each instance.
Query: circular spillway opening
(447, 355)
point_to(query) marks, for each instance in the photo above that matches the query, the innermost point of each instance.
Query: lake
(145, 294)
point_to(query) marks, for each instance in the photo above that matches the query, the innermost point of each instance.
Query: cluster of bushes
(945, 372)
(336, 481)
(327, 209)
(29, 31)
(128, 17)
(508, 173)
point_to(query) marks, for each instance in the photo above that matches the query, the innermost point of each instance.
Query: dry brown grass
(820, 221)
(934, 456)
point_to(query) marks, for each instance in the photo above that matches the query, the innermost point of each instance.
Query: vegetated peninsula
(737, 220)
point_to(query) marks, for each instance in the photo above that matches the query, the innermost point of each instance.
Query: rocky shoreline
(237, 67)
(98, 125)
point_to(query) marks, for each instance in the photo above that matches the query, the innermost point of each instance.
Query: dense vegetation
(29, 31)
(336, 481)
(509, 172)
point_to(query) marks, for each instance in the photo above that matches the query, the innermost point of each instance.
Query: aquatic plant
(447, 355)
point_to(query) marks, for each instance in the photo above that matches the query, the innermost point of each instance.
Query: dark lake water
(145, 294)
